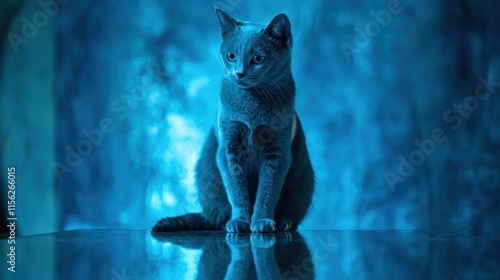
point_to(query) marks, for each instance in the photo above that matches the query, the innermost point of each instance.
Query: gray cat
(254, 173)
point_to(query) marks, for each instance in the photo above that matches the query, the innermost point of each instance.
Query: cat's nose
(240, 74)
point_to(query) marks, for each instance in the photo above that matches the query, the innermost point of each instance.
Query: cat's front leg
(232, 158)
(272, 175)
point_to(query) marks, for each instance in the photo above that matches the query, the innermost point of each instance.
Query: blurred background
(104, 107)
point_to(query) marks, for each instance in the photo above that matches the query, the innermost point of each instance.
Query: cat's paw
(284, 224)
(263, 225)
(237, 239)
(237, 225)
(261, 240)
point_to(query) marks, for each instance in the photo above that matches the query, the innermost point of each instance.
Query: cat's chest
(263, 128)
(247, 119)
(253, 109)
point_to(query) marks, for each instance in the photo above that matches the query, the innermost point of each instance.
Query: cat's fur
(254, 173)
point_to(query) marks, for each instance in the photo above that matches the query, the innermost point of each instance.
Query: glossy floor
(113, 254)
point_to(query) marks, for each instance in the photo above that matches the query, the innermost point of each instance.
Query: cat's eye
(231, 57)
(258, 59)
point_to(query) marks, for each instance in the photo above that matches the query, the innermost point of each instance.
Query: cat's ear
(280, 28)
(227, 23)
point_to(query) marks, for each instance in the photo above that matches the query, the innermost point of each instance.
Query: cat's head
(253, 53)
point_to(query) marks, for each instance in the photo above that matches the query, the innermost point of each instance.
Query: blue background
(146, 75)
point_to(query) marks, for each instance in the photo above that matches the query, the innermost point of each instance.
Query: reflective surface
(112, 254)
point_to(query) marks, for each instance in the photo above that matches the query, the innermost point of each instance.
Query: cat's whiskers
(275, 93)
(265, 91)
(211, 80)
(278, 84)
(282, 89)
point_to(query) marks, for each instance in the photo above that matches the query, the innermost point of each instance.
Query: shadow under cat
(247, 255)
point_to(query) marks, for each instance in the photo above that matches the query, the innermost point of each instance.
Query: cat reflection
(249, 256)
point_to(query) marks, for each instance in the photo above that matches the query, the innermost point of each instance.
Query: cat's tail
(191, 221)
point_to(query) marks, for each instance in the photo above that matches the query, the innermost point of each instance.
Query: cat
(254, 173)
